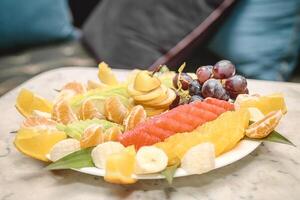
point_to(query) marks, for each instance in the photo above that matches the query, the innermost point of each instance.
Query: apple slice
(171, 96)
(144, 82)
(151, 95)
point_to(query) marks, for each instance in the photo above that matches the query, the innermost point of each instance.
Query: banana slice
(150, 159)
(199, 159)
(63, 148)
(102, 151)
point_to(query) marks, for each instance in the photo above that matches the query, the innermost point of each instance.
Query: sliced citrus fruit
(105, 74)
(88, 110)
(77, 87)
(112, 134)
(265, 104)
(37, 143)
(70, 90)
(63, 113)
(39, 123)
(119, 167)
(92, 136)
(27, 102)
(136, 115)
(115, 110)
(263, 127)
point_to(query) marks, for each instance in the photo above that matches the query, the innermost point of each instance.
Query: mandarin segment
(115, 110)
(263, 127)
(136, 116)
(88, 110)
(63, 113)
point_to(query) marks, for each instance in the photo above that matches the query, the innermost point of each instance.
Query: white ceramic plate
(241, 150)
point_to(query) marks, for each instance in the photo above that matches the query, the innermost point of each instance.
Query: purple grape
(175, 102)
(185, 80)
(213, 88)
(204, 73)
(236, 84)
(233, 95)
(194, 87)
(223, 69)
(195, 98)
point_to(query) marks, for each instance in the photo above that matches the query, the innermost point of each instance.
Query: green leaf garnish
(78, 159)
(169, 172)
(75, 129)
(274, 136)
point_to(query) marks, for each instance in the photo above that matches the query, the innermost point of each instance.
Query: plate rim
(223, 160)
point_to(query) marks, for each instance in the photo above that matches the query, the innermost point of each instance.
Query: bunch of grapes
(218, 81)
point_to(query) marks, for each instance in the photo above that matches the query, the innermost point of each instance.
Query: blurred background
(261, 37)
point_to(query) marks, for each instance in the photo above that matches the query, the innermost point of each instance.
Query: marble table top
(272, 171)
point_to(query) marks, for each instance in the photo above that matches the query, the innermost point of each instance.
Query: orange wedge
(115, 110)
(27, 102)
(36, 137)
(63, 113)
(136, 115)
(263, 127)
(89, 111)
(92, 136)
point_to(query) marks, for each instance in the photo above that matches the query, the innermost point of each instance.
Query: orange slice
(39, 122)
(63, 113)
(136, 115)
(37, 136)
(112, 134)
(27, 102)
(78, 88)
(92, 136)
(263, 127)
(115, 110)
(89, 111)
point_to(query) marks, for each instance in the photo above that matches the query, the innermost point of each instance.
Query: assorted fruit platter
(154, 123)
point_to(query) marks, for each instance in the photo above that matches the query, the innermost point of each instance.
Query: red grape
(236, 84)
(185, 80)
(223, 69)
(213, 88)
(195, 98)
(175, 102)
(194, 87)
(204, 73)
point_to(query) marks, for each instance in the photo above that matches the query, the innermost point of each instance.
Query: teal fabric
(262, 37)
(31, 22)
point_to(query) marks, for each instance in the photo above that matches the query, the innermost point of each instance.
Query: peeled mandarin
(63, 113)
(263, 127)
